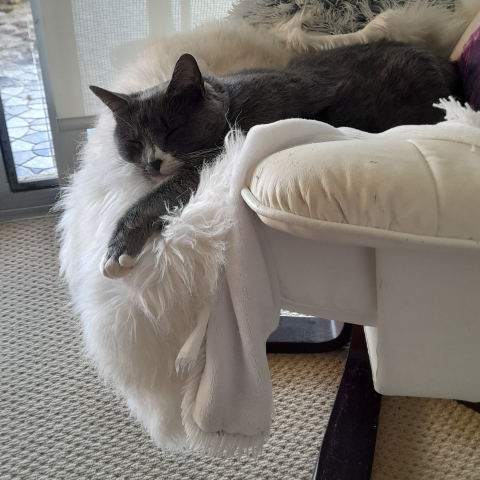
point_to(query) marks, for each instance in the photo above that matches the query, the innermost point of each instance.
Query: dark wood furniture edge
(473, 406)
(348, 446)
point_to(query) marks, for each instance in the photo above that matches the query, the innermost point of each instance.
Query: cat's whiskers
(199, 155)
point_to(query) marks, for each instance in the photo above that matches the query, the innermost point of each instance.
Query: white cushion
(428, 189)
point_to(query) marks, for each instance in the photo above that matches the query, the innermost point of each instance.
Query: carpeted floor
(58, 421)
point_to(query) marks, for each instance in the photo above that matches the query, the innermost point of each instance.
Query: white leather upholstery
(391, 241)
(420, 187)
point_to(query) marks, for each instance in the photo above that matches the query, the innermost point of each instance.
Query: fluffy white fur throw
(321, 24)
(125, 323)
(134, 328)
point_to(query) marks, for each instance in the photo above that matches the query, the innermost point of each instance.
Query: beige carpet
(58, 421)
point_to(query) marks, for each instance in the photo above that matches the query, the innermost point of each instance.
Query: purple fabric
(469, 67)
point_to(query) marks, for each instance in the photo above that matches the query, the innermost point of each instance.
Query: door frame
(18, 203)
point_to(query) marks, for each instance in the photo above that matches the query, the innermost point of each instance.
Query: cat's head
(170, 126)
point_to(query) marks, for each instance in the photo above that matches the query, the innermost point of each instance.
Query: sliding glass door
(54, 50)
(28, 173)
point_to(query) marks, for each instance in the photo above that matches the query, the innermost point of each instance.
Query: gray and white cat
(171, 130)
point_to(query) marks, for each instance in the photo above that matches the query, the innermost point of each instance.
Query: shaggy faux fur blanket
(328, 17)
(207, 275)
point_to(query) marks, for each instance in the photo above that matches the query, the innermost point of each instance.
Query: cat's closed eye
(135, 143)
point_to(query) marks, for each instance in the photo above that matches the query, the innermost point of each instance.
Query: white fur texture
(416, 22)
(134, 328)
(308, 24)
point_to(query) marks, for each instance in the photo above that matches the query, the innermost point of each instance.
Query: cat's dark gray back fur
(371, 87)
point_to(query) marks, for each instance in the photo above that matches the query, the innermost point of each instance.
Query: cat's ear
(186, 77)
(116, 102)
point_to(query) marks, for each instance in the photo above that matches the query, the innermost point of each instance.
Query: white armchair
(383, 234)
(387, 235)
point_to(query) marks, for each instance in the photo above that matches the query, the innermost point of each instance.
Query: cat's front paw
(123, 249)
(116, 266)
(126, 244)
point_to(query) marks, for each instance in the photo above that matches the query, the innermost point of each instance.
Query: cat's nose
(156, 165)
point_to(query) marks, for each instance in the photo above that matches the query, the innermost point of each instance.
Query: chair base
(308, 335)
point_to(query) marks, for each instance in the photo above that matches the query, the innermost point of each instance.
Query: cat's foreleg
(143, 219)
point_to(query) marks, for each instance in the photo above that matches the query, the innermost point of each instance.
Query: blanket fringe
(456, 112)
(217, 444)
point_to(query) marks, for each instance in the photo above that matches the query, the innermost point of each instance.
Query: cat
(170, 131)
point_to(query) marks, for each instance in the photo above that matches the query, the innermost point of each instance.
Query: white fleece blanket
(230, 393)
(211, 264)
